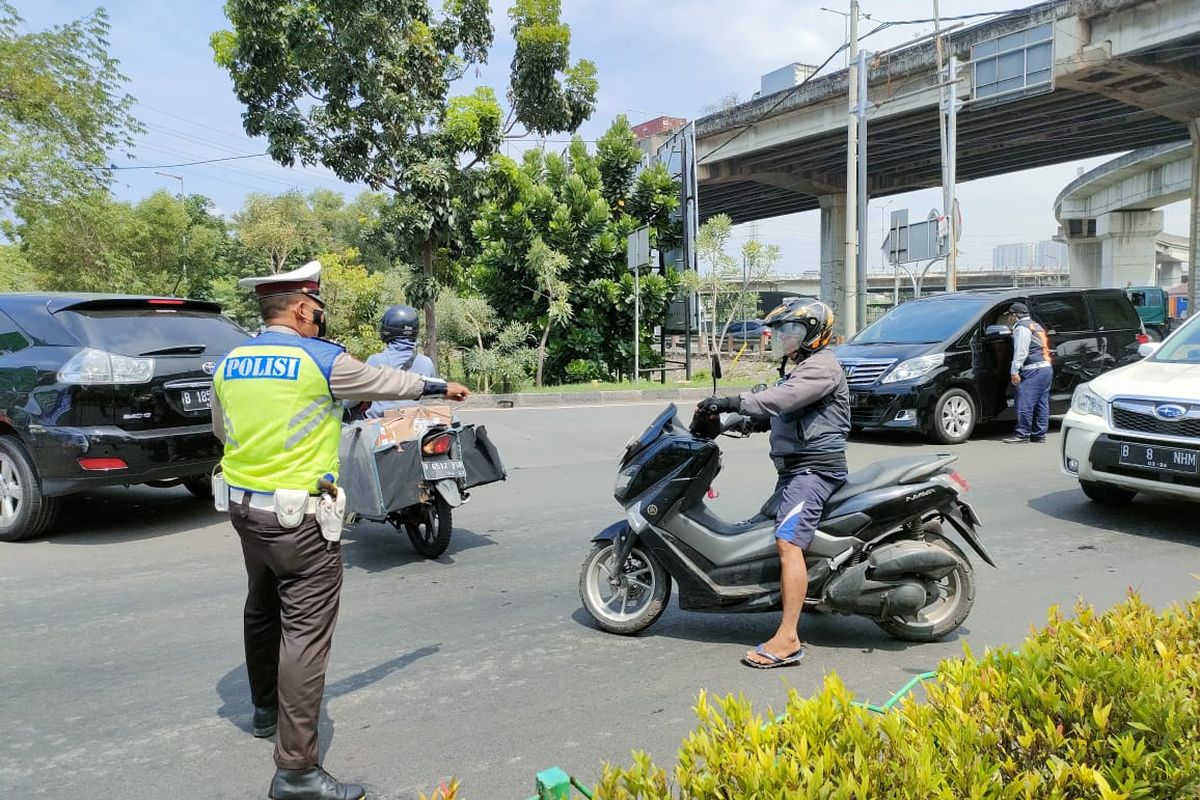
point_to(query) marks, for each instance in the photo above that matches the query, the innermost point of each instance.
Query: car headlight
(90, 367)
(624, 478)
(914, 368)
(1085, 401)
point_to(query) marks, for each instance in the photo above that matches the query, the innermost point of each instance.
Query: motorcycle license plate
(436, 470)
(1167, 459)
(196, 399)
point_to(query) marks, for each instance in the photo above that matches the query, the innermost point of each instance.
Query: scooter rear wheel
(634, 605)
(945, 611)
(428, 526)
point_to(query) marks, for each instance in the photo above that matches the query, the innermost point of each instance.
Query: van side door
(1074, 346)
(1117, 327)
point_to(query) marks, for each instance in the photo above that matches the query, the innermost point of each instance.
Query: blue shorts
(804, 496)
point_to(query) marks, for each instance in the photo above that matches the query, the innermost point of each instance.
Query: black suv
(940, 364)
(104, 390)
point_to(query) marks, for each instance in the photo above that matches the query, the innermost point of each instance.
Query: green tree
(494, 354)
(582, 206)
(548, 267)
(63, 109)
(16, 275)
(364, 89)
(280, 230)
(724, 286)
(355, 300)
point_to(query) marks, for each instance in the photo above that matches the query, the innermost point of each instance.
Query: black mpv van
(104, 390)
(940, 364)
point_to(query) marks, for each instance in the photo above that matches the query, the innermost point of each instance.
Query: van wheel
(954, 417)
(24, 512)
(1106, 495)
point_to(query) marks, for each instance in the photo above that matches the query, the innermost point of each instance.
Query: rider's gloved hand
(721, 404)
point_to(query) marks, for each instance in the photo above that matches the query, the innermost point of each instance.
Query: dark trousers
(295, 583)
(1033, 403)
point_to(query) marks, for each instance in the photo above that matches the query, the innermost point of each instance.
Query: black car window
(1061, 313)
(922, 321)
(153, 331)
(1113, 312)
(11, 338)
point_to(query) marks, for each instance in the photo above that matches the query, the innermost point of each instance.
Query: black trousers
(294, 587)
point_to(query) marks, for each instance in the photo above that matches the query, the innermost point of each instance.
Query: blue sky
(653, 57)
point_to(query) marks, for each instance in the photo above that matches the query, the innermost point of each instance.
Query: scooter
(880, 552)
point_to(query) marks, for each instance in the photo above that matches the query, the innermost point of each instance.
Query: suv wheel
(1105, 494)
(954, 417)
(200, 486)
(24, 512)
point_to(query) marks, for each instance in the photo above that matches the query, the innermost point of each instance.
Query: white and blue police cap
(304, 280)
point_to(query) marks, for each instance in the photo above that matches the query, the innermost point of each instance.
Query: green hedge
(1100, 706)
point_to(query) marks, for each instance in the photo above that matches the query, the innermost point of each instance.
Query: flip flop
(775, 661)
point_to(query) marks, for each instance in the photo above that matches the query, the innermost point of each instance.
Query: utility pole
(863, 235)
(951, 157)
(849, 299)
(947, 122)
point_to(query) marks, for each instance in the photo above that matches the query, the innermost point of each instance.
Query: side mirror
(1148, 349)
(758, 387)
(716, 366)
(996, 331)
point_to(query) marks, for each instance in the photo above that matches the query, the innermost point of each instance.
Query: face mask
(318, 319)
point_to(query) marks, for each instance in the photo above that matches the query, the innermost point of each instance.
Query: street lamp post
(183, 253)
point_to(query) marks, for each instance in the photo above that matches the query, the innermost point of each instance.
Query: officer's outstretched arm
(350, 379)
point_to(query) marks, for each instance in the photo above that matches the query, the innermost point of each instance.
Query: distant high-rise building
(1044, 255)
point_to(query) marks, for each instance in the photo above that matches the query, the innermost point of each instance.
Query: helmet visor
(786, 338)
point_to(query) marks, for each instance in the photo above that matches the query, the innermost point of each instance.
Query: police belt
(265, 501)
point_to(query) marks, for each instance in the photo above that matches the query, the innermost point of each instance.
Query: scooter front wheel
(639, 596)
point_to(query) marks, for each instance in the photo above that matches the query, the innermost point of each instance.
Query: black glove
(721, 404)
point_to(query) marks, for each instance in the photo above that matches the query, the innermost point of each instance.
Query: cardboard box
(406, 424)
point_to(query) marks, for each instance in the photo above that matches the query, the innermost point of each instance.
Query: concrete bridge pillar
(1127, 249)
(833, 253)
(1083, 258)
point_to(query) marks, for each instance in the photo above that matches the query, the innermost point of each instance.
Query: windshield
(153, 331)
(1183, 346)
(922, 321)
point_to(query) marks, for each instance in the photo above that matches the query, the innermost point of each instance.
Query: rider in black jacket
(809, 417)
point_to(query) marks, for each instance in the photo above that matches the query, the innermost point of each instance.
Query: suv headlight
(914, 368)
(90, 367)
(1087, 402)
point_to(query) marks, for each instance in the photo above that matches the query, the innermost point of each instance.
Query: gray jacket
(810, 415)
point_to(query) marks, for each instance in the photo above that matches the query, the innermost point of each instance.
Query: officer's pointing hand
(457, 392)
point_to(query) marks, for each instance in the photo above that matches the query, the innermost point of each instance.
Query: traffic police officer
(808, 414)
(276, 407)
(1032, 372)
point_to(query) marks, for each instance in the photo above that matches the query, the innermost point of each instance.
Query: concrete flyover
(1120, 74)
(1108, 218)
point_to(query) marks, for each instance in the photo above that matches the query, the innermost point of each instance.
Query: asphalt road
(120, 638)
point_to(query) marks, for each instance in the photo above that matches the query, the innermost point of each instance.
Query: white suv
(1137, 428)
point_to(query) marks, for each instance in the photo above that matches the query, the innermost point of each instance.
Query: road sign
(920, 241)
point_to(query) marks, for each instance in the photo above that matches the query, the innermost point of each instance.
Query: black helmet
(399, 322)
(803, 324)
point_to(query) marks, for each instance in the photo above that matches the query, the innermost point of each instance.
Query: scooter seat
(889, 472)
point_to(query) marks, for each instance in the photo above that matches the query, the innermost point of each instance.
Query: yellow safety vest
(282, 423)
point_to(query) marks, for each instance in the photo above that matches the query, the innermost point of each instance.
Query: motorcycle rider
(398, 328)
(808, 413)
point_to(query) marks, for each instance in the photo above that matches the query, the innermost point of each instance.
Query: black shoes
(1015, 440)
(313, 783)
(266, 721)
